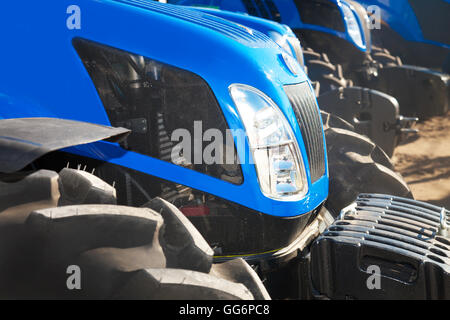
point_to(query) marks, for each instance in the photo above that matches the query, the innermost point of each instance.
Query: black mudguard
(24, 140)
(421, 92)
(371, 112)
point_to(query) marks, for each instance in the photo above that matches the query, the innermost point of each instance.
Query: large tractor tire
(105, 251)
(383, 56)
(320, 69)
(357, 165)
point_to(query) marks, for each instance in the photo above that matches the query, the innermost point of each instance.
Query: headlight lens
(275, 150)
(352, 25)
(290, 44)
(281, 41)
(295, 43)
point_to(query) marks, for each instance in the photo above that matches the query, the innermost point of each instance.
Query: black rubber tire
(121, 252)
(331, 121)
(320, 69)
(80, 187)
(41, 190)
(184, 246)
(386, 59)
(173, 284)
(383, 56)
(239, 271)
(46, 189)
(357, 165)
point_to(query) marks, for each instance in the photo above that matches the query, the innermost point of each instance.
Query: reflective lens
(352, 25)
(275, 150)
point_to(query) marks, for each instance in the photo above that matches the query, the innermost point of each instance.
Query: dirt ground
(425, 162)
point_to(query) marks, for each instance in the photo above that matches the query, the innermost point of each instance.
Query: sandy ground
(425, 162)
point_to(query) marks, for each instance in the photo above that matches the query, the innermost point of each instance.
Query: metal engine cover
(384, 247)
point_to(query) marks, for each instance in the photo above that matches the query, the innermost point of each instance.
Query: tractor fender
(24, 140)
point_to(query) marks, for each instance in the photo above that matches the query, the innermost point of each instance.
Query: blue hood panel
(43, 76)
(232, 30)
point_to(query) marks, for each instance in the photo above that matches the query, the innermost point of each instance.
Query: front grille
(307, 113)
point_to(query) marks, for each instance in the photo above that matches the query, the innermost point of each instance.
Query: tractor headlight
(275, 150)
(297, 47)
(352, 25)
(282, 41)
(290, 43)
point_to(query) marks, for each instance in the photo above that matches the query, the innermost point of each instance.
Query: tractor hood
(281, 34)
(48, 72)
(345, 19)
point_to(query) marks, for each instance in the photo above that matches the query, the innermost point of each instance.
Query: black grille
(250, 7)
(276, 16)
(321, 13)
(154, 100)
(262, 9)
(307, 113)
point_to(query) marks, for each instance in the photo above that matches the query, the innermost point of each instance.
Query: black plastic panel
(321, 13)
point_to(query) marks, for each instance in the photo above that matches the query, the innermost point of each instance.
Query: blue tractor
(341, 29)
(415, 30)
(160, 119)
(370, 112)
